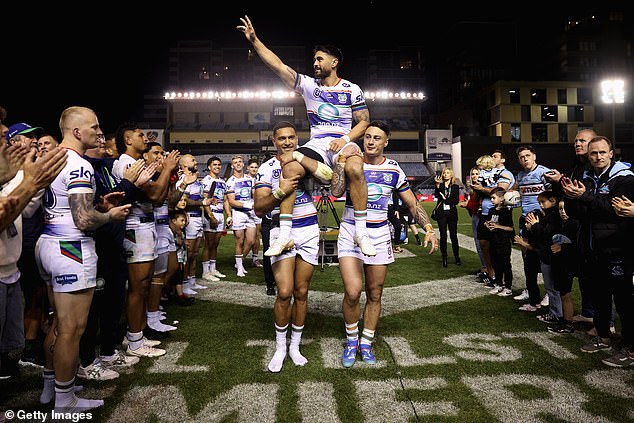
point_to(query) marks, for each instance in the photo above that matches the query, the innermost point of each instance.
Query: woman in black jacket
(447, 195)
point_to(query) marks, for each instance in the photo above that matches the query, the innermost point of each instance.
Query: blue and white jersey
(219, 192)
(304, 211)
(142, 210)
(195, 192)
(382, 179)
(77, 177)
(242, 188)
(488, 179)
(530, 185)
(329, 109)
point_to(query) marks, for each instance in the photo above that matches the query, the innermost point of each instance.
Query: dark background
(107, 57)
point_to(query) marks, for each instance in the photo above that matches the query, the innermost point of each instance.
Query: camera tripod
(324, 205)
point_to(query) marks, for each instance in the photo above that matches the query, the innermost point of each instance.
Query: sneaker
(529, 307)
(505, 293)
(365, 244)
(544, 302)
(367, 355)
(270, 291)
(240, 274)
(580, 318)
(96, 371)
(210, 277)
(145, 351)
(490, 284)
(188, 291)
(148, 342)
(349, 354)
(623, 358)
(561, 329)
(523, 296)
(217, 274)
(155, 335)
(32, 355)
(119, 360)
(597, 344)
(496, 290)
(160, 326)
(279, 246)
(256, 263)
(548, 318)
(199, 286)
(484, 277)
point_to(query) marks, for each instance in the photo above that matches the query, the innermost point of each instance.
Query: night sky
(107, 59)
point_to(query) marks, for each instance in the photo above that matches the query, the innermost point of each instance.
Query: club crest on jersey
(387, 177)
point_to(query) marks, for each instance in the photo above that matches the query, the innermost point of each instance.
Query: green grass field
(447, 351)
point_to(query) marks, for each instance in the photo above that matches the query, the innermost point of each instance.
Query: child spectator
(178, 221)
(499, 221)
(542, 229)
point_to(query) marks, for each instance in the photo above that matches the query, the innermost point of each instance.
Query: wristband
(298, 156)
(345, 137)
(430, 226)
(279, 194)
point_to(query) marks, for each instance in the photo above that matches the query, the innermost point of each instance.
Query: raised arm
(270, 59)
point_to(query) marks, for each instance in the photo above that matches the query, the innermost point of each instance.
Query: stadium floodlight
(280, 94)
(613, 92)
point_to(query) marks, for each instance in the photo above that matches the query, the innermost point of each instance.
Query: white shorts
(242, 220)
(67, 266)
(194, 228)
(380, 238)
(220, 217)
(139, 244)
(306, 244)
(322, 146)
(164, 236)
(160, 263)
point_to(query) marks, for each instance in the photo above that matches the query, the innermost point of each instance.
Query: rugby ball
(512, 198)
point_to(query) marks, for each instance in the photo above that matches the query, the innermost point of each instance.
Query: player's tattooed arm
(84, 214)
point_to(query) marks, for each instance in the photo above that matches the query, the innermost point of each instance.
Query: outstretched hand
(430, 238)
(247, 28)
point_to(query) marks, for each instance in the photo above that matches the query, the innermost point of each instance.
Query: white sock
(293, 349)
(286, 223)
(206, 267)
(360, 219)
(48, 392)
(239, 264)
(275, 365)
(67, 402)
(135, 340)
(367, 337)
(352, 331)
(212, 265)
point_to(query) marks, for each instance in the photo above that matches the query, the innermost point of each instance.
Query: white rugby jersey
(329, 109)
(140, 210)
(241, 187)
(219, 192)
(77, 177)
(381, 179)
(195, 192)
(304, 211)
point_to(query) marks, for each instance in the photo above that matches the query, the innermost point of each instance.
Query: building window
(584, 95)
(575, 114)
(562, 96)
(538, 96)
(516, 132)
(514, 95)
(283, 111)
(563, 133)
(526, 113)
(549, 114)
(539, 132)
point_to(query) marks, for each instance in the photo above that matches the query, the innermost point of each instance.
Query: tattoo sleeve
(84, 214)
(338, 182)
(421, 217)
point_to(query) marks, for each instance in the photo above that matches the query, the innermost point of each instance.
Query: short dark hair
(331, 50)
(120, 135)
(382, 125)
(601, 138)
(548, 195)
(151, 144)
(174, 213)
(524, 147)
(213, 159)
(283, 124)
(501, 153)
(499, 191)
(253, 160)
